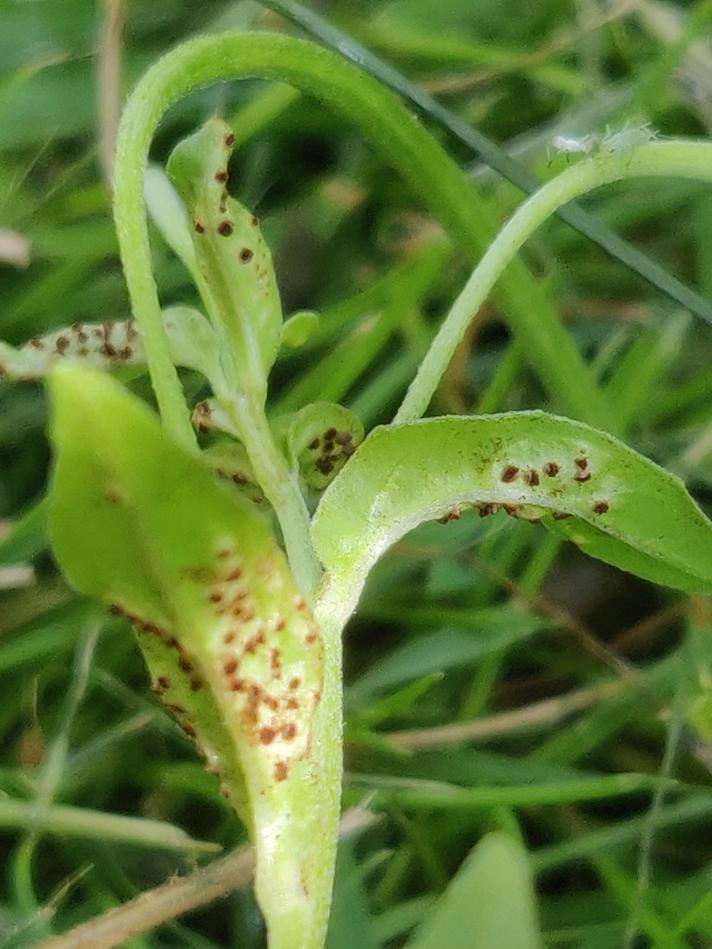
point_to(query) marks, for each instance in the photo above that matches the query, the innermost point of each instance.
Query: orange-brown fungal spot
(230, 666)
(531, 477)
(310, 637)
(267, 735)
(295, 682)
(289, 731)
(216, 596)
(292, 704)
(486, 510)
(234, 574)
(281, 771)
(254, 641)
(509, 473)
(237, 685)
(280, 624)
(275, 663)
(229, 637)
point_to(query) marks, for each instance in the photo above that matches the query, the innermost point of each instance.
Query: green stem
(670, 159)
(281, 488)
(390, 128)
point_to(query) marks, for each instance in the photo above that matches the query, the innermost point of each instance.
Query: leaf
(236, 277)
(112, 345)
(490, 902)
(624, 509)
(233, 651)
(319, 440)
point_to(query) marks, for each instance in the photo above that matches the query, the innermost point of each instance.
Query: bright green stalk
(389, 127)
(669, 159)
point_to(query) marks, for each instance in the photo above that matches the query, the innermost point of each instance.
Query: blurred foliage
(562, 679)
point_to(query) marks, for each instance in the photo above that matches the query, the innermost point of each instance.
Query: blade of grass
(319, 28)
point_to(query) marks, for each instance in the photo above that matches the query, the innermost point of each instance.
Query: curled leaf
(235, 274)
(233, 649)
(320, 439)
(584, 484)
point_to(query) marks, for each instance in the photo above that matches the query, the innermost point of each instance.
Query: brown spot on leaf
(267, 735)
(281, 771)
(509, 473)
(225, 228)
(230, 667)
(62, 344)
(199, 227)
(531, 477)
(486, 510)
(295, 682)
(221, 176)
(600, 507)
(289, 731)
(551, 469)
(246, 255)
(163, 682)
(561, 515)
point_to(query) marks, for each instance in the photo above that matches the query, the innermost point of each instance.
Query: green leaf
(233, 651)
(113, 345)
(624, 509)
(235, 274)
(490, 902)
(319, 440)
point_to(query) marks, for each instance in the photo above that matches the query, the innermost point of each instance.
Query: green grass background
(577, 695)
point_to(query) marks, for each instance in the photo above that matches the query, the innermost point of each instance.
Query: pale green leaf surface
(624, 509)
(234, 264)
(489, 903)
(138, 522)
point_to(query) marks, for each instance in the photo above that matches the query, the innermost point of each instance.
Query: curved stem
(678, 159)
(403, 142)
